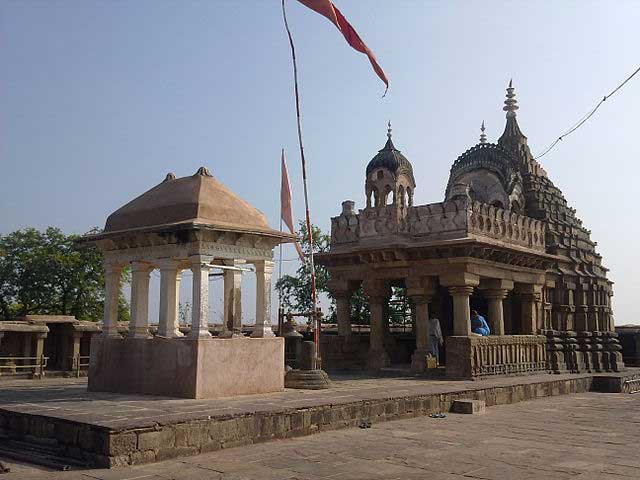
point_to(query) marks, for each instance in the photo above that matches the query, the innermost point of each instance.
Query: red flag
(329, 10)
(286, 210)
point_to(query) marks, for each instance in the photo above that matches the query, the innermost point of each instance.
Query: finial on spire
(483, 137)
(389, 129)
(510, 104)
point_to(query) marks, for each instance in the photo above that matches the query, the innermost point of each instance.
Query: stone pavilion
(504, 242)
(190, 223)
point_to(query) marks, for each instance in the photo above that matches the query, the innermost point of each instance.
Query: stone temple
(504, 241)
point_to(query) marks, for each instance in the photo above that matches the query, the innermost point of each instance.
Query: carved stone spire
(510, 104)
(512, 136)
(483, 137)
(389, 145)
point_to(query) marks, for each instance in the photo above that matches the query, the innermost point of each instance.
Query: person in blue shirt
(479, 325)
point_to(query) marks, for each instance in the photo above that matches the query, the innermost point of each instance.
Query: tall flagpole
(280, 262)
(316, 335)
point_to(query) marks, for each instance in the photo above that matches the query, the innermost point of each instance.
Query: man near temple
(435, 339)
(479, 325)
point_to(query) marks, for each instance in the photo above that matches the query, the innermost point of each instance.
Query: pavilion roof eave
(193, 225)
(458, 242)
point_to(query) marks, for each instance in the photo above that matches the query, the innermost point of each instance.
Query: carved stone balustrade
(460, 218)
(476, 357)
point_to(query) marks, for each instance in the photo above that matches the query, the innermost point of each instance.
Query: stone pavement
(586, 436)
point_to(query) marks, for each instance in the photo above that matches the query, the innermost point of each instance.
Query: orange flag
(286, 209)
(329, 10)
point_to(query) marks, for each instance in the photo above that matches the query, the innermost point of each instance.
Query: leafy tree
(296, 289)
(52, 273)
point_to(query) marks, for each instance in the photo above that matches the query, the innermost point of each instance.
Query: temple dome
(195, 200)
(391, 159)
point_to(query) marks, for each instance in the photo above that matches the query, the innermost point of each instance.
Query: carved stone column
(378, 295)
(112, 278)
(168, 324)
(530, 298)
(342, 290)
(75, 351)
(262, 328)
(343, 313)
(495, 291)
(460, 288)
(39, 370)
(420, 290)
(139, 324)
(232, 301)
(461, 310)
(200, 266)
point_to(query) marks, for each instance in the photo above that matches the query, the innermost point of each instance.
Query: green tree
(51, 273)
(296, 289)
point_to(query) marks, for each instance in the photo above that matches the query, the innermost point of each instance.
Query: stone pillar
(168, 322)
(262, 328)
(139, 324)
(200, 266)
(495, 291)
(1, 335)
(530, 298)
(420, 291)
(461, 310)
(112, 278)
(40, 336)
(232, 301)
(460, 286)
(75, 350)
(343, 313)
(378, 294)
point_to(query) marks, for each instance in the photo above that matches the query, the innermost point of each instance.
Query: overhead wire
(586, 117)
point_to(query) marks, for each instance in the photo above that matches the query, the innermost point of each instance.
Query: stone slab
(107, 429)
(186, 368)
(471, 407)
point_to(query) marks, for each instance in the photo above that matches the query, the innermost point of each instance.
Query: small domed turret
(389, 179)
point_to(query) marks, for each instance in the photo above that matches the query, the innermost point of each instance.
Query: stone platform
(106, 429)
(186, 368)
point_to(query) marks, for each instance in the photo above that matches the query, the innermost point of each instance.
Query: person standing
(435, 339)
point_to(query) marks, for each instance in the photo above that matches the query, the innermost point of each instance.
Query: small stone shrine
(504, 242)
(191, 223)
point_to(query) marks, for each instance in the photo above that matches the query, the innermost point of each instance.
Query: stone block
(204, 368)
(140, 457)
(157, 439)
(121, 443)
(473, 407)
(67, 433)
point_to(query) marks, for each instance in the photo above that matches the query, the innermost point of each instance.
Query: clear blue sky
(100, 99)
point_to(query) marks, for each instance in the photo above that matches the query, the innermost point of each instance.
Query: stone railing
(476, 357)
(457, 218)
(506, 226)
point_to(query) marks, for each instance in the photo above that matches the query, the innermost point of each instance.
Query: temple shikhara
(504, 241)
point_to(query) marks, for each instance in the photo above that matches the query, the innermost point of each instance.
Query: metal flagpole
(314, 300)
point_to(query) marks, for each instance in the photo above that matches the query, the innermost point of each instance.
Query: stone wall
(344, 353)
(102, 447)
(629, 336)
